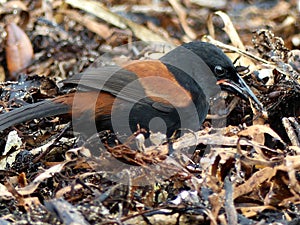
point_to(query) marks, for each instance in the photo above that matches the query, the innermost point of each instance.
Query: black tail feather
(32, 111)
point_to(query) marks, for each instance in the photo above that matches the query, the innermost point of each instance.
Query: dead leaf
(19, 51)
(99, 28)
(249, 211)
(178, 8)
(255, 180)
(43, 176)
(228, 28)
(256, 132)
(99, 10)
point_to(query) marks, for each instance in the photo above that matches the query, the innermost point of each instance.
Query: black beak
(242, 90)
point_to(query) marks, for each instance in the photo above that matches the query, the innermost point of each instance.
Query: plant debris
(241, 167)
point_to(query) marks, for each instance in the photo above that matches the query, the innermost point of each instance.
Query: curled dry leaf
(255, 180)
(291, 166)
(256, 132)
(41, 177)
(77, 152)
(228, 28)
(19, 51)
(235, 39)
(265, 156)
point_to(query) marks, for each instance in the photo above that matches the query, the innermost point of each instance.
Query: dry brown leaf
(99, 28)
(256, 132)
(61, 192)
(43, 176)
(255, 180)
(254, 210)
(19, 51)
(291, 166)
(30, 202)
(99, 10)
(182, 18)
(228, 28)
(22, 180)
(216, 206)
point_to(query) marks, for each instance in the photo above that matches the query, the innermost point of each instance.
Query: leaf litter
(246, 172)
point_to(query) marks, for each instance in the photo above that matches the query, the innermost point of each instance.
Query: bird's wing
(148, 80)
(110, 79)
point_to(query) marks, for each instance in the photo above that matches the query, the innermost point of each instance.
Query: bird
(161, 95)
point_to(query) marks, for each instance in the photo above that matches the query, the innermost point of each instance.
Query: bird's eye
(219, 70)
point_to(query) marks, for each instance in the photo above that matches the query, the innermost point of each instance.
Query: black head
(214, 57)
(223, 69)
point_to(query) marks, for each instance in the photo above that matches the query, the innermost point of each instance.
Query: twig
(290, 132)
